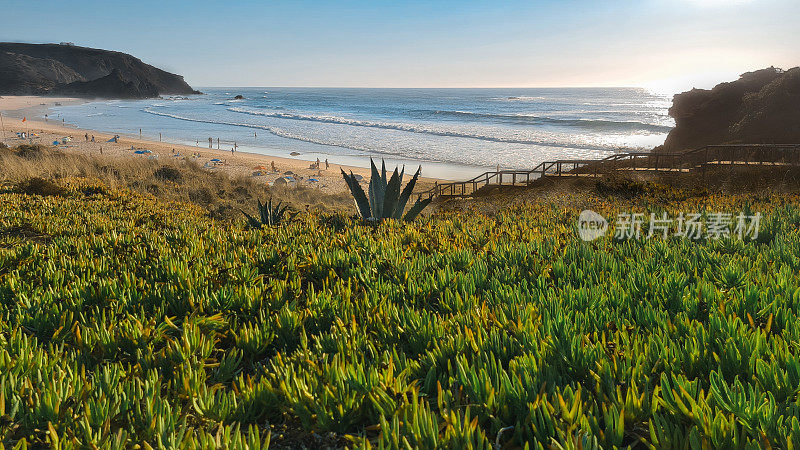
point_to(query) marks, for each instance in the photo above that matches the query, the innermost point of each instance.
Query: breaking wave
(417, 128)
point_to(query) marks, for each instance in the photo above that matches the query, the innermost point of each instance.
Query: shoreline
(92, 142)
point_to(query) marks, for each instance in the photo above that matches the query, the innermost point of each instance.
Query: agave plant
(385, 199)
(269, 215)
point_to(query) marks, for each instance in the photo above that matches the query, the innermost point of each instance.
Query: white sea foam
(512, 138)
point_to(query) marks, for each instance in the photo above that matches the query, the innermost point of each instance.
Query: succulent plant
(155, 326)
(385, 200)
(269, 215)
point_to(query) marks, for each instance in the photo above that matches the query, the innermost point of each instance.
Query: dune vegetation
(223, 196)
(128, 320)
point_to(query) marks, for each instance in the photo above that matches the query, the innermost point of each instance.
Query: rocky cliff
(55, 69)
(760, 107)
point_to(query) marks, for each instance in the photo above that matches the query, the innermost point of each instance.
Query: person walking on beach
(86, 137)
(326, 164)
(92, 138)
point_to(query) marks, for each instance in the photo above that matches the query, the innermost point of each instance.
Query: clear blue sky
(667, 44)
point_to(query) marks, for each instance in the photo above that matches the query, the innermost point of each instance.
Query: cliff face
(53, 69)
(760, 107)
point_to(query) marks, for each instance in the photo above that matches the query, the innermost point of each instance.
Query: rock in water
(760, 107)
(54, 69)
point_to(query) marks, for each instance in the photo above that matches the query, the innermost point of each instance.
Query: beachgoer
(327, 166)
(86, 137)
(92, 138)
(101, 149)
(272, 163)
(210, 143)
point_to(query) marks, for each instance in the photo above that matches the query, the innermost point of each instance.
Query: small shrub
(620, 187)
(171, 174)
(40, 186)
(31, 151)
(202, 196)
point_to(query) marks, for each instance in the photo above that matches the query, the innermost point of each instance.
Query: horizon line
(418, 87)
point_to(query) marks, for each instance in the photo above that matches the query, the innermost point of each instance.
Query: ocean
(452, 133)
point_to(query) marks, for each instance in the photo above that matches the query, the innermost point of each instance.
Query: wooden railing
(687, 161)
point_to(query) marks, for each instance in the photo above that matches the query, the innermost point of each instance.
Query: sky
(665, 45)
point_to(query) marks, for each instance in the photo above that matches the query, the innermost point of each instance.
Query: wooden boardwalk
(679, 162)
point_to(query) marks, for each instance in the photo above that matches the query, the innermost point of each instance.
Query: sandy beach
(91, 142)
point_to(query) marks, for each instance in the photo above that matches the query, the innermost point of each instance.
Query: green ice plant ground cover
(127, 321)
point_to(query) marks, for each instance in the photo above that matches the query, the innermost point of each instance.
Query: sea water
(452, 133)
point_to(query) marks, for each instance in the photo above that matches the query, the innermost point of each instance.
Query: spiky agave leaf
(275, 214)
(359, 196)
(377, 190)
(266, 212)
(252, 221)
(403, 201)
(417, 208)
(392, 195)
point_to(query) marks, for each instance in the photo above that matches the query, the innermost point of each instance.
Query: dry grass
(33, 168)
